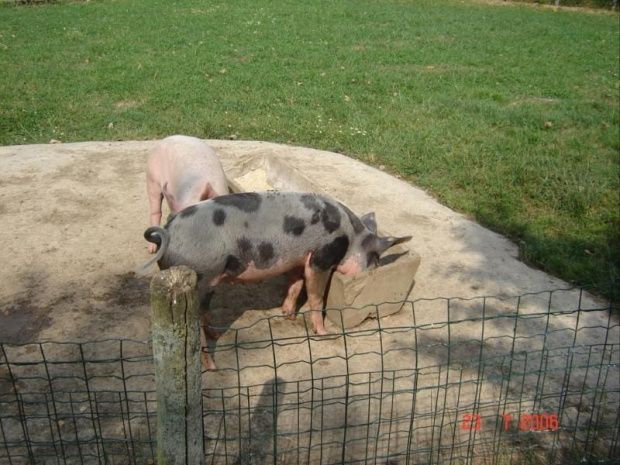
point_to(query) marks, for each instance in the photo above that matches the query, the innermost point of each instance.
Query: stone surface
(373, 293)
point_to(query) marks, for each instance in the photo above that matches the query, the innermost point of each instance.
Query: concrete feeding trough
(350, 299)
(374, 293)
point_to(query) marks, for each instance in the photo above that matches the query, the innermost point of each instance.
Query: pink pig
(185, 171)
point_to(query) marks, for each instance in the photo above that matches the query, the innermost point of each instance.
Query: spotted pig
(253, 236)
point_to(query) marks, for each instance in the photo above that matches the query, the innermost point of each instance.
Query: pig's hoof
(290, 316)
(287, 311)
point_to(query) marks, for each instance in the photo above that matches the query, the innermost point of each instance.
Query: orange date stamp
(526, 422)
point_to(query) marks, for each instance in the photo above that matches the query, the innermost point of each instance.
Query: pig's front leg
(295, 285)
(156, 198)
(316, 282)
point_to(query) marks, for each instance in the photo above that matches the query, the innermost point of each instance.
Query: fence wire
(528, 379)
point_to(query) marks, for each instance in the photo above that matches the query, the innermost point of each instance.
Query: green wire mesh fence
(527, 379)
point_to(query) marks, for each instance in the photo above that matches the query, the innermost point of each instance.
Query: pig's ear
(207, 193)
(370, 222)
(384, 243)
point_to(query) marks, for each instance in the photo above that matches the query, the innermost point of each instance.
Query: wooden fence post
(176, 352)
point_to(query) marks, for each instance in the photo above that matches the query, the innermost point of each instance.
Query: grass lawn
(505, 112)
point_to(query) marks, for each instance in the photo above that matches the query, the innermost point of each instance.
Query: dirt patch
(129, 292)
(21, 321)
(539, 6)
(125, 104)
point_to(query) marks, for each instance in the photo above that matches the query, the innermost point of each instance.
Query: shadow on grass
(577, 259)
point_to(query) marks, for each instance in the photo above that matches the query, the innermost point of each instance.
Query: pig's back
(188, 164)
(269, 229)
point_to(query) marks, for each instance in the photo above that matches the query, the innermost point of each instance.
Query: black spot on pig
(219, 216)
(244, 245)
(330, 216)
(265, 254)
(234, 266)
(330, 254)
(246, 225)
(358, 227)
(189, 211)
(293, 225)
(312, 204)
(245, 201)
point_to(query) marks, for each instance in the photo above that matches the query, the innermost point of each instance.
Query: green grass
(507, 113)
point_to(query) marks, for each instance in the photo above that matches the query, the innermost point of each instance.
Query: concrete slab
(376, 293)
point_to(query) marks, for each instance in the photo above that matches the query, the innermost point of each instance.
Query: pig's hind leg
(207, 360)
(295, 285)
(156, 198)
(205, 319)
